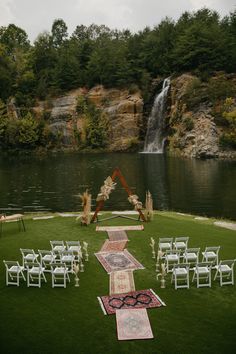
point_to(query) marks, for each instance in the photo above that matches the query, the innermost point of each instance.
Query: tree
(6, 74)
(3, 122)
(59, 32)
(201, 47)
(13, 38)
(156, 48)
(44, 60)
(28, 131)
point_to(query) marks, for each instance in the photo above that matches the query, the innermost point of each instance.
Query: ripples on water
(53, 182)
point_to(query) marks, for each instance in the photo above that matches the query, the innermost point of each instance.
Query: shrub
(228, 140)
(188, 123)
(133, 89)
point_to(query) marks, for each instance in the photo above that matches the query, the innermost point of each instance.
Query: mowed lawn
(70, 320)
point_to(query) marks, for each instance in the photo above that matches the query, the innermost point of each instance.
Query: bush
(188, 123)
(133, 89)
(228, 140)
(81, 107)
(196, 93)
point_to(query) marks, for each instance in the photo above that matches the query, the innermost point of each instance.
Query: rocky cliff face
(123, 111)
(192, 116)
(193, 128)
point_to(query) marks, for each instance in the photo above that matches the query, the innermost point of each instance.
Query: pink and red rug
(113, 246)
(121, 282)
(134, 299)
(112, 261)
(133, 324)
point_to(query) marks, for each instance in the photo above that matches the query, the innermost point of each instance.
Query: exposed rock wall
(124, 112)
(192, 133)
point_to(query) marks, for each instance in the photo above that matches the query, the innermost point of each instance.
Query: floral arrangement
(86, 204)
(133, 199)
(106, 189)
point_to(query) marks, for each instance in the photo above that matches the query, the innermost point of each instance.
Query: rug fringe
(162, 302)
(101, 304)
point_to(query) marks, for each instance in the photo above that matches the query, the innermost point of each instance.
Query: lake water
(53, 182)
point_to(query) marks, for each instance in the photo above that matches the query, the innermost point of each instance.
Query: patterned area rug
(121, 282)
(133, 324)
(134, 299)
(112, 261)
(120, 228)
(113, 246)
(117, 235)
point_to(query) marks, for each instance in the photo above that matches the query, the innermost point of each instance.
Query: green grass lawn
(70, 320)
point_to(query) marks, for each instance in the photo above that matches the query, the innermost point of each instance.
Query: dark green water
(52, 182)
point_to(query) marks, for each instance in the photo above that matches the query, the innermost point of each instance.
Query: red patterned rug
(113, 246)
(120, 228)
(134, 299)
(133, 324)
(117, 235)
(121, 282)
(112, 261)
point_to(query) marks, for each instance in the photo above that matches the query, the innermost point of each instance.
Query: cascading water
(154, 141)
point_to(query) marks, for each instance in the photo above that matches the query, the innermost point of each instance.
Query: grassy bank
(46, 320)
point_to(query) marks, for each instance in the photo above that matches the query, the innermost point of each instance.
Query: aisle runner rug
(134, 299)
(121, 282)
(112, 261)
(113, 246)
(133, 324)
(120, 228)
(117, 235)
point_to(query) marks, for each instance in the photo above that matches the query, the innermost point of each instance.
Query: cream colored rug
(113, 246)
(121, 282)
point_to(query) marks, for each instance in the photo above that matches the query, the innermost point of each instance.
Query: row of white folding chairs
(202, 274)
(35, 274)
(46, 257)
(171, 243)
(58, 246)
(191, 256)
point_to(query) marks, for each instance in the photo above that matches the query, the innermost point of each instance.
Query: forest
(199, 42)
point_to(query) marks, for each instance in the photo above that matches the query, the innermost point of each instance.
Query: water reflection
(53, 182)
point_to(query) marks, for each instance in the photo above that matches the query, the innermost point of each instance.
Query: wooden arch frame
(100, 204)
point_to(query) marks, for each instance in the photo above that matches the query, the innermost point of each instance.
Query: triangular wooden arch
(100, 204)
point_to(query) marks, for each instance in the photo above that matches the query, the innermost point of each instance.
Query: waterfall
(154, 141)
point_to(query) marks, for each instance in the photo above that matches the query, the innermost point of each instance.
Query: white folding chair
(211, 254)
(180, 275)
(67, 257)
(225, 271)
(165, 244)
(191, 256)
(57, 246)
(46, 258)
(202, 272)
(171, 258)
(180, 243)
(14, 271)
(28, 256)
(76, 248)
(60, 275)
(35, 274)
